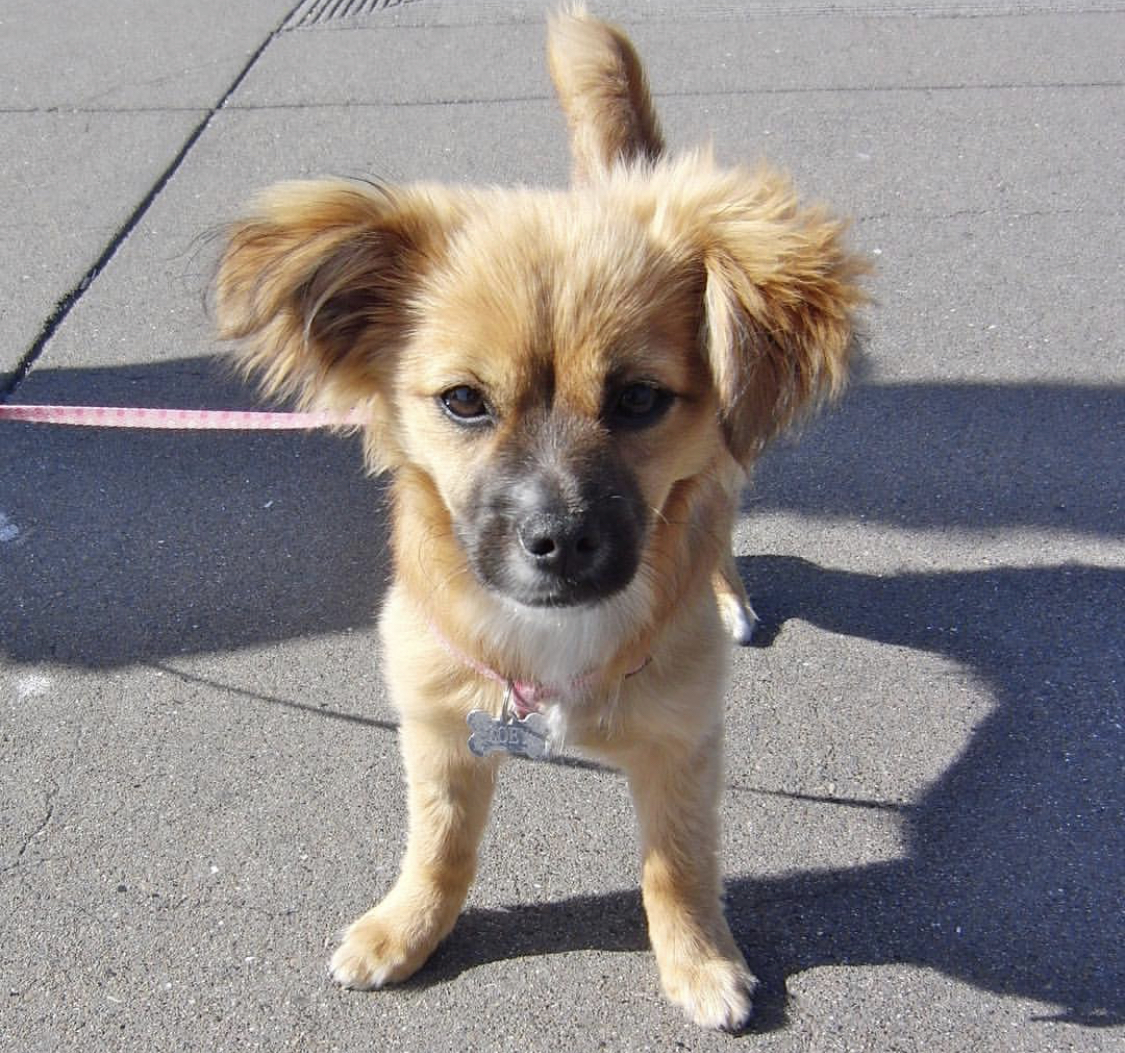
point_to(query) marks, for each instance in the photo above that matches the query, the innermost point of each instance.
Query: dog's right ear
(601, 86)
(316, 286)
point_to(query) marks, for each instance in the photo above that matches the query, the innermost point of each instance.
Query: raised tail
(604, 94)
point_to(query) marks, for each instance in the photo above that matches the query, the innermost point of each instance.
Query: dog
(568, 387)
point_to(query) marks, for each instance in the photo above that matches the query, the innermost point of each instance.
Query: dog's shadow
(1011, 878)
(134, 547)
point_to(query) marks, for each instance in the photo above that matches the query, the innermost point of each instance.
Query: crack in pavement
(49, 808)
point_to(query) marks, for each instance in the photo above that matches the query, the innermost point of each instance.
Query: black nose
(564, 544)
(555, 537)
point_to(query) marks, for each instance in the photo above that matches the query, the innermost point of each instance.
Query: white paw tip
(353, 974)
(718, 995)
(739, 619)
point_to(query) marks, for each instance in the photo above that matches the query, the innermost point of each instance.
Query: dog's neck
(530, 696)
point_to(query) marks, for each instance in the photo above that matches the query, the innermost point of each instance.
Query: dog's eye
(638, 406)
(465, 403)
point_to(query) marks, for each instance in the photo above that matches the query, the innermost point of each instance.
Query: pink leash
(183, 419)
(214, 420)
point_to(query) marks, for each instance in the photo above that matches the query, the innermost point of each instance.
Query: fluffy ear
(781, 296)
(316, 286)
(601, 86)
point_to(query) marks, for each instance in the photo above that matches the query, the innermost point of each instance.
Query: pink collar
(524, 696)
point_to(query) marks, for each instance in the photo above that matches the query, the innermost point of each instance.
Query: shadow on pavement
(139, 545)
(1014, 872)
(136, 546)
(959, 455)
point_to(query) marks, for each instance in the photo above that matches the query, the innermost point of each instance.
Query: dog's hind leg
(730, 594)
(734, 605)
(449, 795)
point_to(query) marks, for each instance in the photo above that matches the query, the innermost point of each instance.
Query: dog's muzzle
(548, 539)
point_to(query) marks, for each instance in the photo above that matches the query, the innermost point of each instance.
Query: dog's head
(552, 368)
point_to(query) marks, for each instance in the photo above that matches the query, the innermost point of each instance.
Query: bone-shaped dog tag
(521, 738)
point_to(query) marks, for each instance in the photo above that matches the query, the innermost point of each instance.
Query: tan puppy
(568, 387)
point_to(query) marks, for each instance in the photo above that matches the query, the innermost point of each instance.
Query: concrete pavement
(925, 813)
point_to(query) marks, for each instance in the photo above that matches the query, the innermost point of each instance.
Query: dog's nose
(556, 538)
(565, 544)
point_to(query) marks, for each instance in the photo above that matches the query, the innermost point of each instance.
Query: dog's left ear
(780, 300)
(317, 286)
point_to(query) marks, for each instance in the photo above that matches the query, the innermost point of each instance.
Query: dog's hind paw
(738, 617)
(716, 994)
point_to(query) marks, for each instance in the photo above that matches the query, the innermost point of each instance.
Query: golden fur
(662, 275)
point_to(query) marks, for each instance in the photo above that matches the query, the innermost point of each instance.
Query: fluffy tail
(604, 94)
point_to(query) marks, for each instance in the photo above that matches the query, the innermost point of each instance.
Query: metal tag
(520, 738)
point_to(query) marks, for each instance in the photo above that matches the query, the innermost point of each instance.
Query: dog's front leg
(448, 797)
(676, 793)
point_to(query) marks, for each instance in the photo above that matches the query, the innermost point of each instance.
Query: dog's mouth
(565, 597)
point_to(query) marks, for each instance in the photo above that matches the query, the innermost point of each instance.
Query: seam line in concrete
(366, 24)
(356, 104)
(992, 213)
(66, 111)
(66, 303)
(250, 107)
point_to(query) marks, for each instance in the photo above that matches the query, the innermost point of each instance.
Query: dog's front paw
(716, 993)
(375, 953)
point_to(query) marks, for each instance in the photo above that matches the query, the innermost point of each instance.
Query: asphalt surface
(924, 822)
